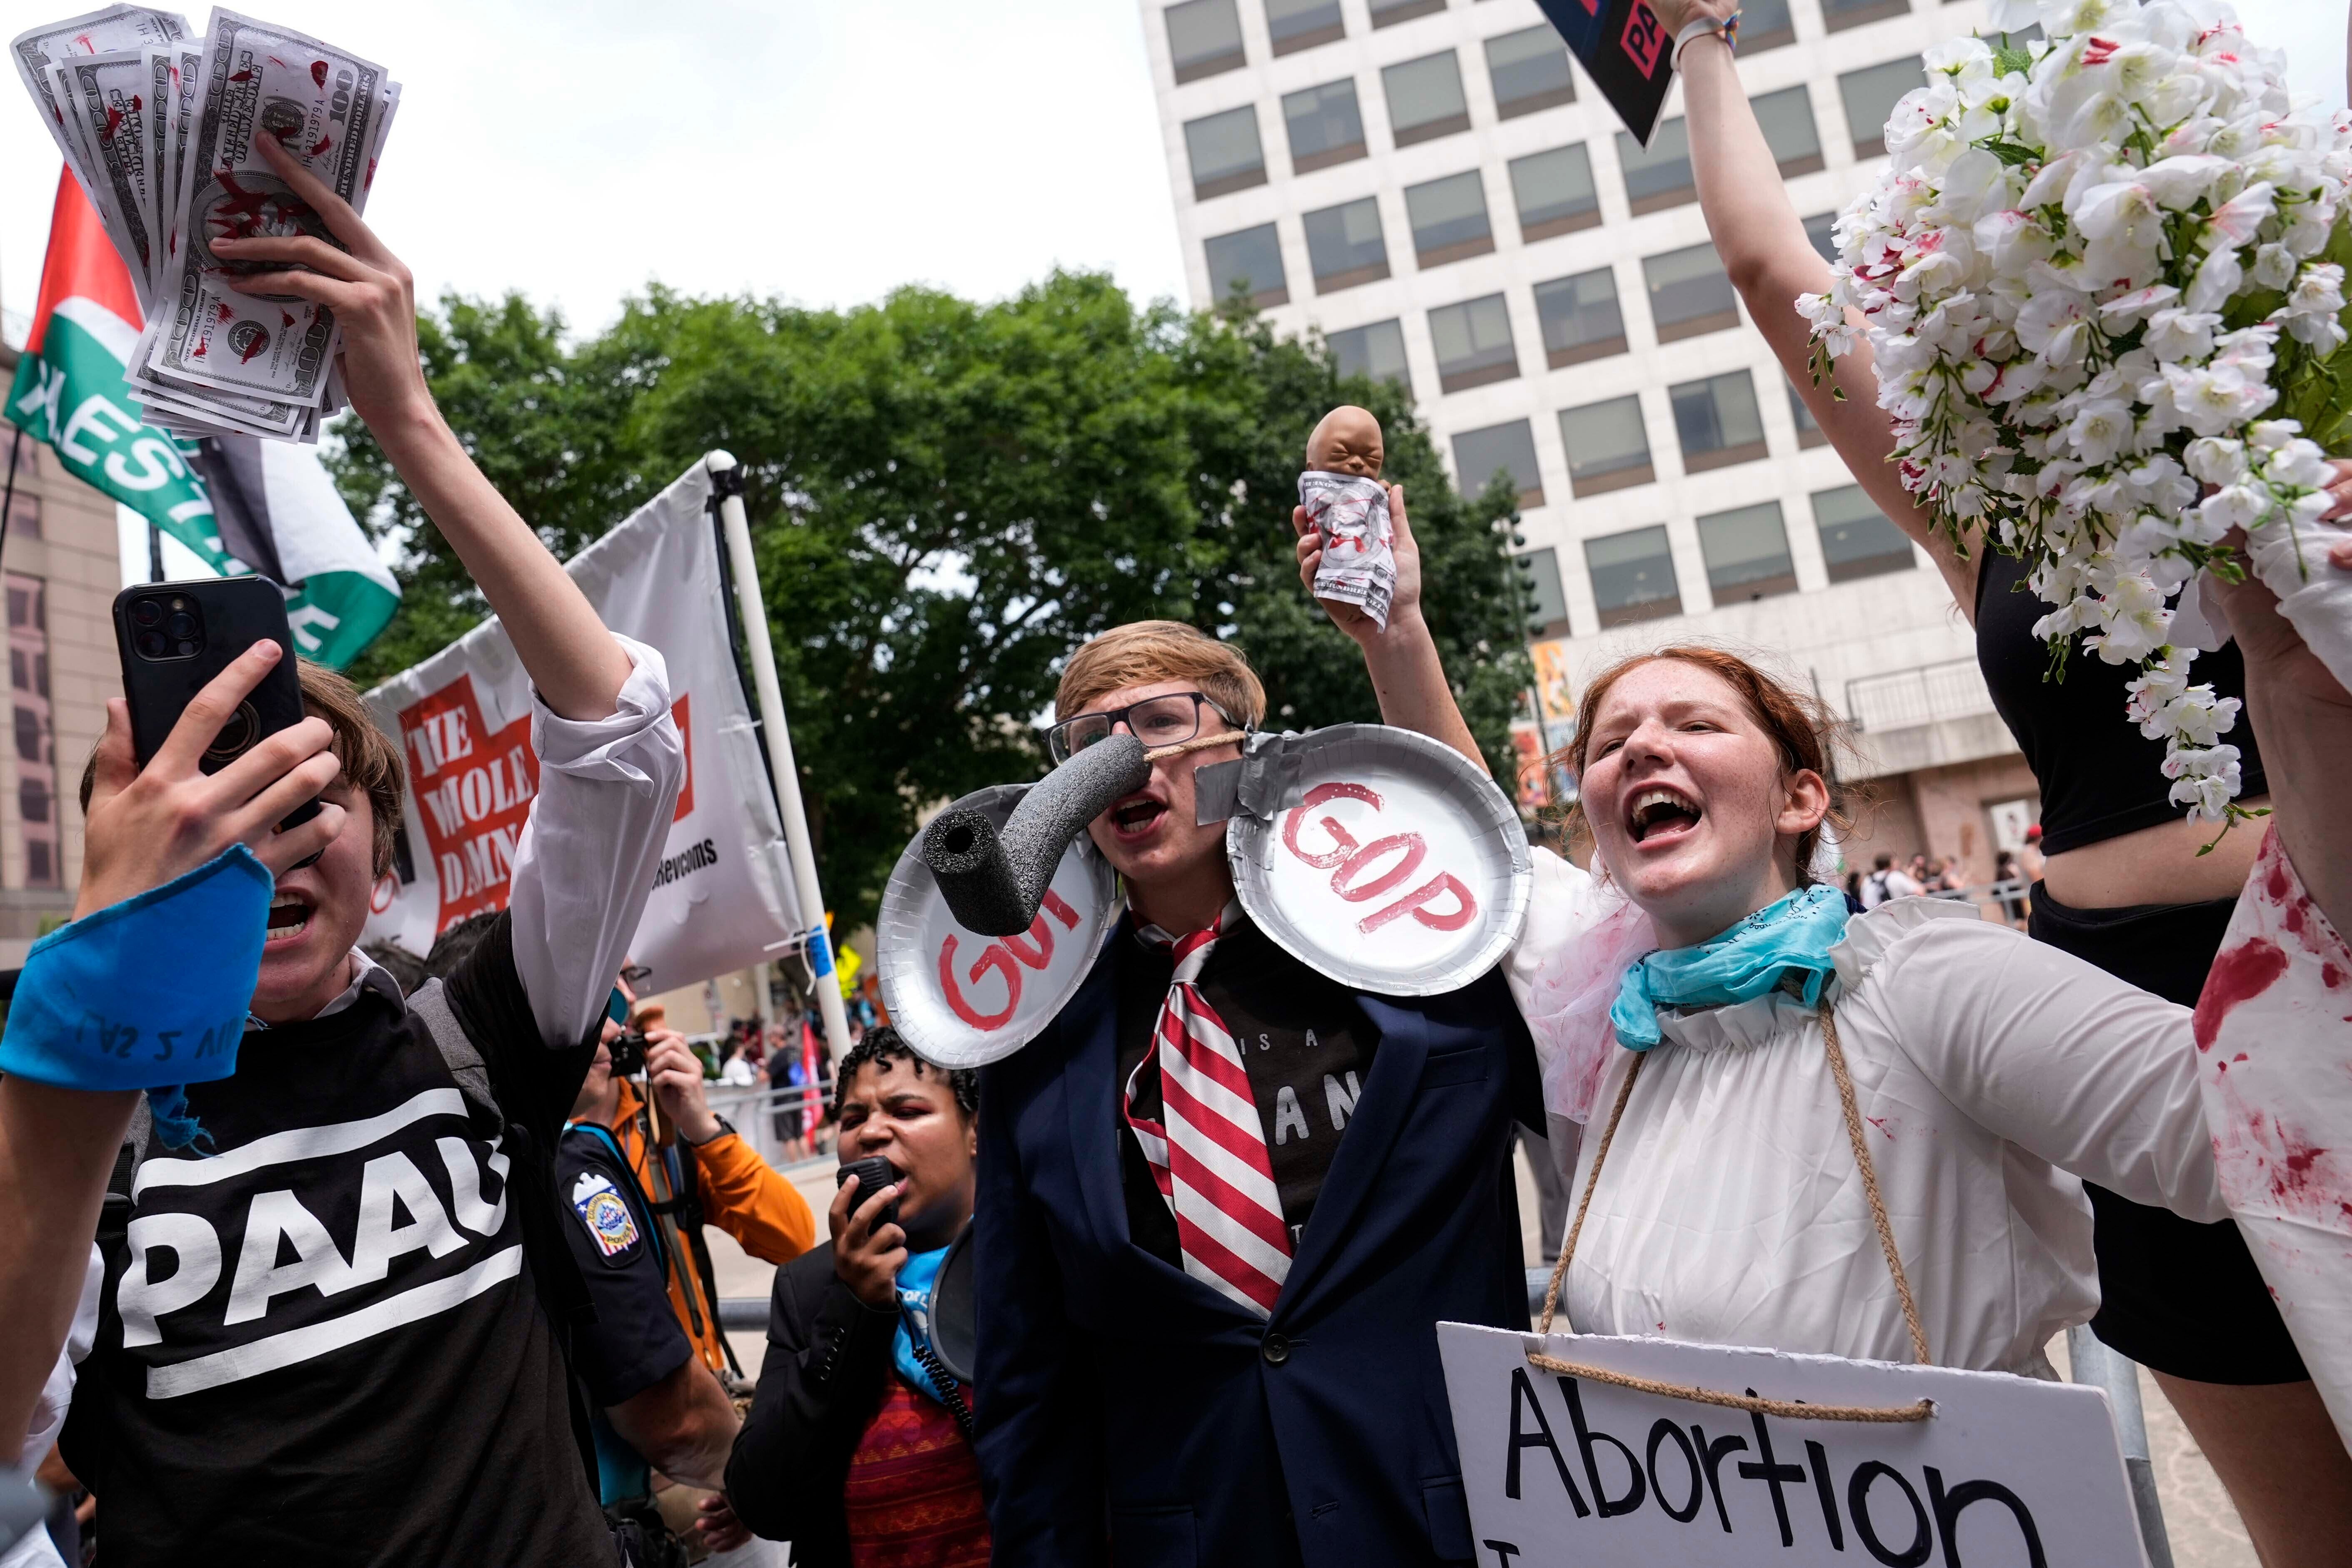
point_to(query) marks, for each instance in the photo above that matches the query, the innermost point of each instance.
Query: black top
(2098, 774)
(1306, 1044)
(322, 1344)
(828, 1366)
(636, 1341)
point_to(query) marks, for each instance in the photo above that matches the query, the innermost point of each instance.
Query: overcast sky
(823, 150)
(820, 150)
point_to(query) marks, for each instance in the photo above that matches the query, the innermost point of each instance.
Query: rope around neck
(1787, 1409)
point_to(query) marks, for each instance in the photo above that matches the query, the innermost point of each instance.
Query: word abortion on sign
(722, 896)
(2007, 1473)
(1625, 48)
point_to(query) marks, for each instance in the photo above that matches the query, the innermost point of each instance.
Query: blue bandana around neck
(1787, 940)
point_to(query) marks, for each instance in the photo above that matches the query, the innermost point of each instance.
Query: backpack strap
(430, 1002)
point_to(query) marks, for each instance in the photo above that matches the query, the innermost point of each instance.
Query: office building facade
(1441, 192)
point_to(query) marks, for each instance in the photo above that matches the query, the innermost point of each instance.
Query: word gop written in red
(1351, 865)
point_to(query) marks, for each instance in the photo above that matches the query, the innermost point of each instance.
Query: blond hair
(1144, 652)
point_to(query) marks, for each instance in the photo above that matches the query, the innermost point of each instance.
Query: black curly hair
(887, 1044)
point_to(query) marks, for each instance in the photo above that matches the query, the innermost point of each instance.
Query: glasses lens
(1069, 739)
(1164, 721)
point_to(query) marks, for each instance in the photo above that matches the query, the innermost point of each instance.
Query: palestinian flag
(241, 504)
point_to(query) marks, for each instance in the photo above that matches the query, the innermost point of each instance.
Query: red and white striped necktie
(1208, 1153)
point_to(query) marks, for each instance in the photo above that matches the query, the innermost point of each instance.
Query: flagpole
(726, 482)
(154, 552)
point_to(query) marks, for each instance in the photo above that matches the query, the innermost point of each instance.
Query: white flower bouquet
(2104, 283)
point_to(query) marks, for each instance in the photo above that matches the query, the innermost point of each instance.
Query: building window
(1325, 127)
(1449, 219)
(1765, 24)
(1530, 70)
(1746, 553)
(1472, 340)
(1345, 246)
(1545, 605)
(1660, 174)
(1303, 24)
(36, 769)
(1375, 351)
(1480, 454)
(1871, 95)
(1388, 13)
(1224, 151)
(1689, 293)
(1204, 37)
(1809, 429)
(1553, 192)
(1251, 262)
(1632, 576)
(1424, 98)
(1607, 448)
(1820, 230)
(1839, 14)
(1858, 539)
(1787, 117)
(1580, 318)
(1716, 421)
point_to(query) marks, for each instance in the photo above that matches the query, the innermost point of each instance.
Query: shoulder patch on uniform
(605, 1213)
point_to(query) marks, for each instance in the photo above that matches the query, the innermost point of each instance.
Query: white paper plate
(963, 999)
(1390, 864)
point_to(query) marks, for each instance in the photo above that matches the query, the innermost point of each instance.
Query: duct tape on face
(1377, 856)
(964, 999)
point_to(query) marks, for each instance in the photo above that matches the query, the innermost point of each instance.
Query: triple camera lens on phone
(166, 626)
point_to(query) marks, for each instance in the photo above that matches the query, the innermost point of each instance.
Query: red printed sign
(677, 714)
(1363, 871)
(474, 790)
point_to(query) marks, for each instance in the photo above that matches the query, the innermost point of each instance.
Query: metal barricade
(771, 1115)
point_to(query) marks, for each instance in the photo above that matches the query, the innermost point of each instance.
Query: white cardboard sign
(1562, 1472)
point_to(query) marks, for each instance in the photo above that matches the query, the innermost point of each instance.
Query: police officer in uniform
(654, 1404)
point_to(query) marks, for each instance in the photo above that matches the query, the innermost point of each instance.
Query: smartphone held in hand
(173, 637)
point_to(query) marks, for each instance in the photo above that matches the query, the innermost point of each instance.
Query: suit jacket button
(1275, 1349)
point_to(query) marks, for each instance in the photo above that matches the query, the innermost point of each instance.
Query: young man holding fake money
(1224, 1200)
(329, 1327)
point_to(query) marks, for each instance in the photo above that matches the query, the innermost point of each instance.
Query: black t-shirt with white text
(1305, 1042)
(320, 1343)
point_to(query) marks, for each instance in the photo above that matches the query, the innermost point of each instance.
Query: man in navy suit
(1225, 1202)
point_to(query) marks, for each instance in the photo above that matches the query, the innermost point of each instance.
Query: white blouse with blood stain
(1991, 1071)
(2274, 1059)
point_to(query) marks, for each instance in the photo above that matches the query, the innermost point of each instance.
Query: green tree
(945, 498)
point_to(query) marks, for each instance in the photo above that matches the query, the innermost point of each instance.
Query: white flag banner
(723, 896)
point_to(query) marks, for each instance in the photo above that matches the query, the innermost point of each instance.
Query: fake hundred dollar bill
(158, 127)
(1350, 514)
(114, 30)
(320, 104)
(109, 99)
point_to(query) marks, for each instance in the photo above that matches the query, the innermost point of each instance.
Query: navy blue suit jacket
(1128, 1413)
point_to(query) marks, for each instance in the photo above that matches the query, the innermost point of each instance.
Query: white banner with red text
(722, 896)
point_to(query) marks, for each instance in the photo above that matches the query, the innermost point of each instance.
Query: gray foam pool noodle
(993, 882)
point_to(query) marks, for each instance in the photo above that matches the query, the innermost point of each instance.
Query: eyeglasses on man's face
(1168, 720)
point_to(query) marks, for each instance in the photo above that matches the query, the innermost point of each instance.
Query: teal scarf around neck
(1786, 940)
